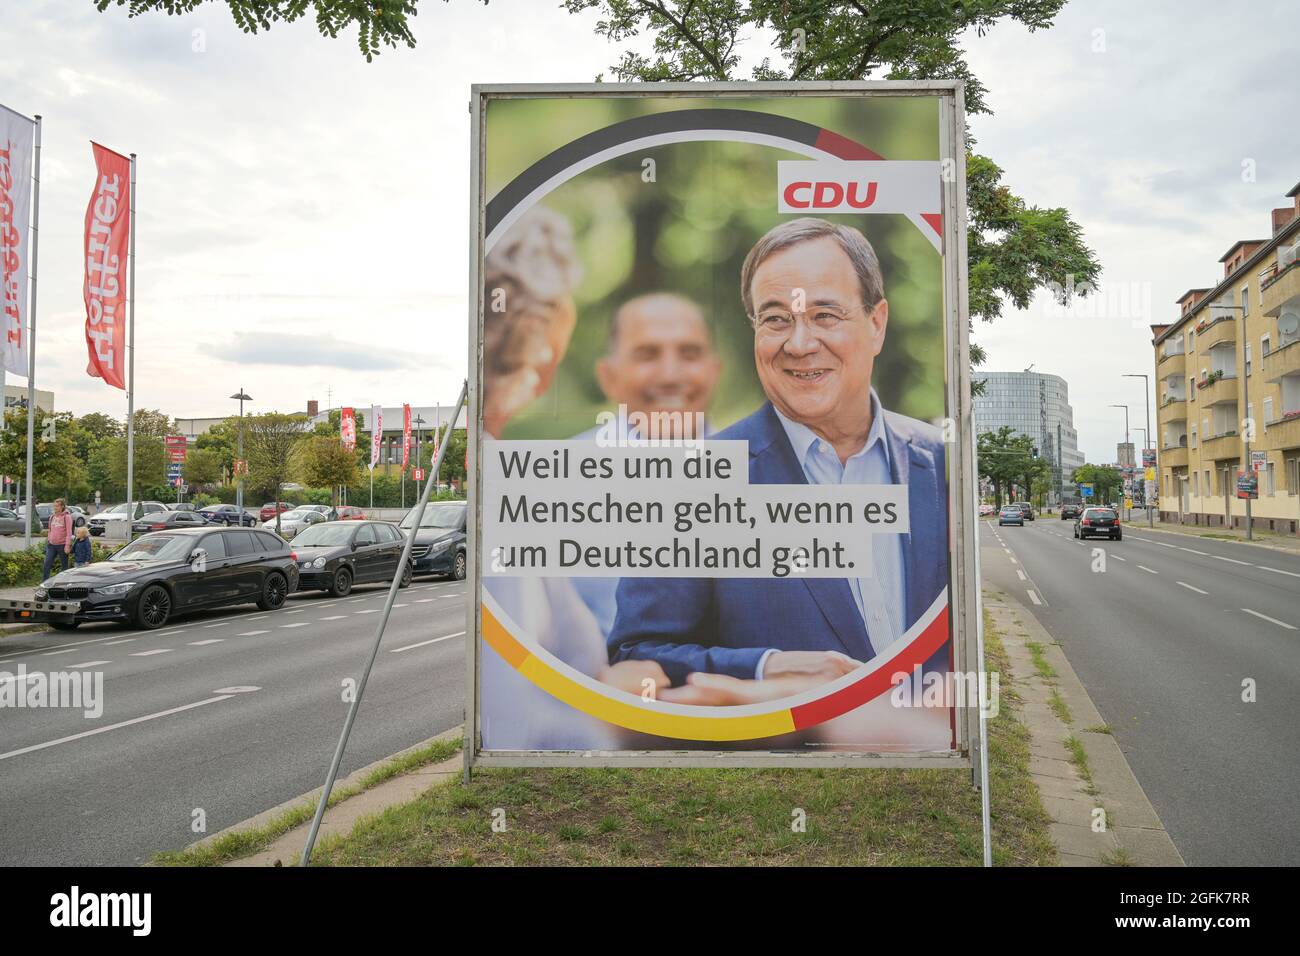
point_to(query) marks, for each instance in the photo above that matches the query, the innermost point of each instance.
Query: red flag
(108, 222)
(406, 435)
(348, 425)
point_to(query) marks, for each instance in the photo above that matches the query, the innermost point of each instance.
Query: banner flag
(16, 140)
(406, 436)
(108, 218)
(348, 426)
(376, 433)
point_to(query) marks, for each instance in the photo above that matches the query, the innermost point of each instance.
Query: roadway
(230, 712)
(1165, 631)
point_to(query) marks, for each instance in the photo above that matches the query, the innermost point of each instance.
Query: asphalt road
(230, 712)
(1163, 639)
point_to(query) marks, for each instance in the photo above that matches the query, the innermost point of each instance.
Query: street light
(1146, 442)
(239, 452)
(1126, 443)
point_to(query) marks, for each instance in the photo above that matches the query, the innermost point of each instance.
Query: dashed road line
(210, 640)
(89, 664)
(445, 637)
(332, 617)
(1147, 570)
(252, 633)
(369, 610)
(156, 650)
(1271, 620)
(1219, 557)
(1033, 596)
(1277, 571)
(125, 640)
(297, 624)
(1020, 573)
(1191, 587)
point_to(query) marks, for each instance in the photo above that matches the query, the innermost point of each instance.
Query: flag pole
(130, 371)
(31, 340)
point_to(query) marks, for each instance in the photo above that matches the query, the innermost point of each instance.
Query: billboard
(720, 441)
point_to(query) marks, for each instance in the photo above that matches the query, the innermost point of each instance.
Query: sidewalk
(1100, 814)
(1265, 539)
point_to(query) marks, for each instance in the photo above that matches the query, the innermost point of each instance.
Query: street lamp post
(239, 452)
(1126, 443)
(1146, 441)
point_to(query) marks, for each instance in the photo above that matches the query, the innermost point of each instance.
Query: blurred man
(659, 372)
(815, 297)
(660, 369)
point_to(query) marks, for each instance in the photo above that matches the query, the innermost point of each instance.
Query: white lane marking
(426, 600)
(156, 650)
(1118, 558)
(319, 606)
(445, 637)
(1147, 570)
(125, 640)
(252, 633)
(1219, 557)
(333, 617)
(369, 610)
(1277, 571)
(260, 617)
(95, 640)
(1271, 620)
(1193, 551)
(296, 624)
(89, 664)
(218, 624)
(353, 600)
(1014, 561)
(1020, 574)
(210, 640)
(399, 605)
(124, 723)
(1191, 587)
(55, 653)
(1034, 597)
(298, 610)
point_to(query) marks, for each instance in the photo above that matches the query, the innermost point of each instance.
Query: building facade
(424, 420)
(1036, 405)
(1228, 386)
(16, 397)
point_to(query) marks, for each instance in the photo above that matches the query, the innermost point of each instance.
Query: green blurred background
(688, 232)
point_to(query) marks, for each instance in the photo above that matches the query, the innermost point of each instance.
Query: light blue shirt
(881, 597)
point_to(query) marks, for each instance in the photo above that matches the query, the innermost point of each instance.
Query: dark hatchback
(1098, 521)
(1070, 511)
(228, 515)
(440, 540)
(335, 555)
(167, 573)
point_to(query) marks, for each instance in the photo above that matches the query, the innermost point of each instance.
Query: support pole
(130, 371)
(374, 651)
(31, 339)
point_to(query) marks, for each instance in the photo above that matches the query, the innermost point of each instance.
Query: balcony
(1175, 364)
(1281, 287)
(1284, 360)
(1223, 446)
(1216, 331)
(1283, 432)
(1175, 456)
(1217, 391)
(1173, 408)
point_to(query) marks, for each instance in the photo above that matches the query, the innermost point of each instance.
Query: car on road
(273, 508)
(1070, 511)
(440, 541)
(99, 523)
(168, 573)
(292, 522)
(1099, 521)
(333, 555)
(1026, 509)
(1010, 514)
(170, 519)
(228, 515)
(183, 506)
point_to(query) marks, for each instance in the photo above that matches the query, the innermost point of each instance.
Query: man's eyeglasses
(820, 318)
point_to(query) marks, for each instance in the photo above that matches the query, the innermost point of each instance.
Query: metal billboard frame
(964, 598)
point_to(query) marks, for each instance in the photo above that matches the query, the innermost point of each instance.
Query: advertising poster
(720, 426)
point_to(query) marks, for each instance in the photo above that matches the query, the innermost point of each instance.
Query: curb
(1256, 543)
(343, 816)
(1127, 831)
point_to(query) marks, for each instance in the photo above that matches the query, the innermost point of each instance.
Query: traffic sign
(419, 474)
(1258, 461)
(1085, 491)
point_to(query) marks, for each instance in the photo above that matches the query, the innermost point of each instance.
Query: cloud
(318, 351)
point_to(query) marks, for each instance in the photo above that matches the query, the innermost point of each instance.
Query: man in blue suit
(815, 297)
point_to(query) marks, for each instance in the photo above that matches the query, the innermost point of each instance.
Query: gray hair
(808, 229)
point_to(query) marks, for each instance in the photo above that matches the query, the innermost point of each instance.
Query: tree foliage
(1107, 482)
(1009, 462)
(378, 22)
(271, 441)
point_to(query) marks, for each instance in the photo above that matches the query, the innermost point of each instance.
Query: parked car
(333, 556)
(291, 522)
(1026, 509)
(100, 522)
(440, 541)
(168, 573)
(351, 513)
(273, 508)
(228, 515)
(1010, 514)
(1070, 511)
(1099, 521)
(986, 509)
(43, 512)
(170, 519)
(184, 506)
(10, 522)
(329, 511)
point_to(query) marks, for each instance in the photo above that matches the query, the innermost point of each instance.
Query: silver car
(291, 522)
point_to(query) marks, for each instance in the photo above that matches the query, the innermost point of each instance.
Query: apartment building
(1228, 381)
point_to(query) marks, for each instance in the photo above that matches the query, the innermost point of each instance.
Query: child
(81, 547)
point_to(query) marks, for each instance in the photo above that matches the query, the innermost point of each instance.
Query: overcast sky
(303, 213)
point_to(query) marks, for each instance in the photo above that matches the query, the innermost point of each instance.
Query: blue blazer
(724, 625)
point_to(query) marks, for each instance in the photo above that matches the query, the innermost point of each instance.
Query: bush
(23, 568)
